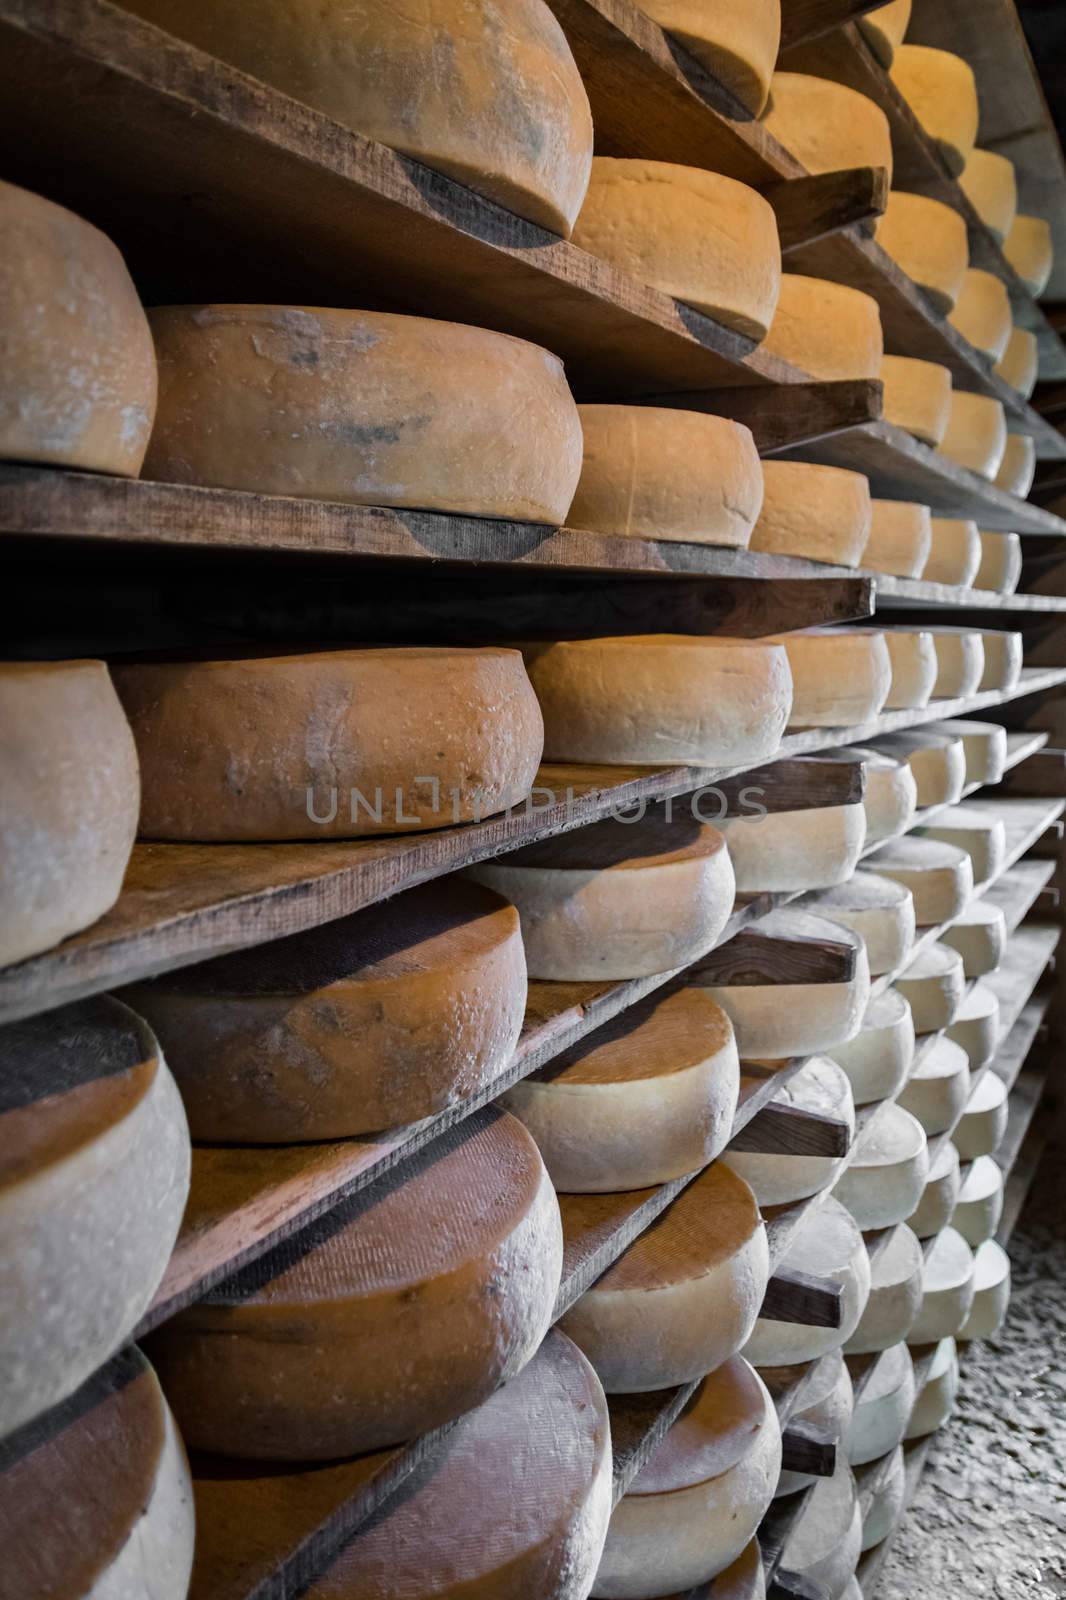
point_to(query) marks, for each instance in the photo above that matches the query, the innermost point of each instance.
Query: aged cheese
(954, 552)
(976, 1025)
(828, 330)
(654, 699)
(932, 986)
(333, 744)
(979, 1206)
(879, 910)
(982, 313)
(938, 1088)
(402, 1308)
(936, 1399)
(928, 240)
(878, 1059)
(1001, 562)
(1002, 658)
(367, 1023)
(653, 473)
(937, 761)
(821, 1088)
(94, 1174)
(1020, 364)
(938, 875)
(990, 184)
(891, 794)
(737, 40)
(980, 937)
(912, 653)
(991, 1292)
(828, 1244)
(984, 746)
(960, 656)
(934, 1210)
(827, 126)
(818, 513)
(685, 1295)
(885, 27)
(895, 1294)
(901, 535)
(824, 1544)
(976, 434)
(947, 1290)
(1030, 251)
(941, 90)
(979, 832)
(884, 1180)
(882, 1407)
(917, 399)
(701, 237)
(882, 1488)
(840, 676)
(693, 1508)
(743, 1579)
(792, 850)
(1018, 467)
(69, 796)
(826, 1403)
(617, 900)
(984, 1122)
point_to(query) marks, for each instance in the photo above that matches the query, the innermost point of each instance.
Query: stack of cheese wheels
(337, 744)
(1001, 562)
(648, 1097)
(891, 793)
(789, 850)
(652, 473)
(828, 330)
(938, 875)
(821, 1089)
(1018, 467)
(917, 398)
(883, 1407)
(933, 986)
(701, 237)
(990, 184)
(960, 659)
(737, 40)
(693, 1508)
(947, 1289)
(980, 937)
(895, 1294)
(684, 1297)
(982, 312)
(840, 676)
(939, 1087)
(647, 699)
(878, 1059)
(494, 101)
(936, 1398)
(401, 1309)
(1001, 656)
(991, 1298)
(90, 1496)
(884, 1180)
(941, 90)
(936, 1207)
(1030, 251)
(828, 1244)
(819, 513)
(879, 910)
(826, 1403)
(359, 406)
(93, 1181)
(978, 831)
(827, 126)
(928, 240)
(980, 1201)
(885, 27)
(901, 534)
(982, 1125)
(954, 552)
(975, 1027)
(64, 845)
(370, 1022)
(912, 654)
(79, 382)
(617, 900)
(937, 762)
(517, 1503)
(976, 435)
(882, 1488)
(825, 1542)
(984, 746)
(1020, 364)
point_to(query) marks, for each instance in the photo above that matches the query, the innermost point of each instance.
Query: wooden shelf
(914, 594)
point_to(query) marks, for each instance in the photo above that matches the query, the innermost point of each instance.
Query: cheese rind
(917, 398)
(828, 1244)
(879, 910)
(984, 1122)
(936, 1207)
(891, 793)
(826, 1403)
(990, 183)
(937, 761)
(936, 1398)
(1031, 252)
(975, 1026)
(976, 436)
(982, 313)
(884, 1180)
(1020, 363)
(882, 1489)
(885, 27)
(895, 1294)
(901, 536)
(883, 1407)
(1002, 659)
(840, 676)
(947, 1290)
(941, 90)
(984, 746)
(928, 240)
(954, 552)
(991, 1297)
(822, 1088)
(824, 1543)
(736, 40)
(938, 1088)
(979, 1206)
(795, 850)
(1001, 562)
(878, 1059)
(827, 126)
(912, 653)
(829, 330)
(817, 513)
(933, 987)
(979, 832)
(1018, 467)
(980, 937)
(938, 875)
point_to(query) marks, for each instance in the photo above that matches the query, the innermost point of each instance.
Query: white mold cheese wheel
(705, 239)
(937, 761)
(936, 1398)
(98, 1495)
(982, 313)
(64, 844)
(895, 1294)
(936, 1207)
(648, 1097)
(1018, 467)
(975, 1027)
(826, 1403)
(692, 1510)
(884, 1180)
(493, 99)
(980, 937)
(840, 676)
(826, 1539)
(879, 910)
(882, 1407)
(938, 1088)
(617, 900)
(516, 1504)
(93, 1181)
(1001, 562)
(933, 987)
(954, 552)
(736, 40)
(1031, 252)
(1020, 363)
(991, 1292)
(653, 473)
(827, 126)
(370, 1022)
(828, 330)
(901, 534)
(878, 1059)
(990, 183)
(817, 513)
(828, 1244)
(685, 1295)
(917, 398)
(890, 800)
(78, 382)
(947, 1291)
(885, 28)
(655, 699)
(976, 434)
(960, 657)
(1002, 658)
(980, 1201)
(984, 1122)
(882, 1488)
(333, 744)
(979, 832)
(912, 653)
(361, 406)
(941, 90)
(938, 875)
(795, 850)
(743, 1579)
(927, 239)
(821, 1088)
(984, 746)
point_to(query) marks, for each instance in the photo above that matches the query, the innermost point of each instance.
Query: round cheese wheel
(947, 1290)
(960, 657)
(883, 1182)
(935, 1209)
(941, 90)
(64, 844)
(617, 900)
(705, 239)
(984, 746)
(891, 794)
(975, 1027)
(927, 239)
(878, 1059)
(937, 761)
(991, 1292)
(1020, 363)
(984, 1122)
(982, 313)
(795, 850)
(653, 473)
(1001, 562)
(743, 1579)
(693, 1508)
(403, 1307)
(980, 937)
(821, 1088)
(93, 1181)
(828, 330)
(936, 1398)
(976, 434)
(900, 538)
(840, 675)
(333, 744)
(938, 875)
(933, 987)
(1031, 252)
(826, 1403)
(736, 40)
(827, 126)
(653, 699)
(817, 513)
(882, 1407)
(914, 669)
(879, 910)
(954, 552)
(370, 1022)
(895, 1294)
(990, 184)
(1002, 657)
(938, 1088)
(516, 1503)
(94, 1499)
(979, 1206)
(685, 1295)
(829, 1245)
(917, 399)
(885, 27)
(981, 834)
(825, 1541)
(882, 1488)
(1018, 467)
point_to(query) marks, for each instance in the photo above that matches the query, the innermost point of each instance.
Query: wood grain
(808, 209)
(808, 19)
(806, 1448)
(793, 1296)
(753, 958)
(785, 1129)
(780, 417)
(803, 784)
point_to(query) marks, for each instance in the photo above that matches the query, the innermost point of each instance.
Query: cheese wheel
(692, 1509)
(829, 1245)
(982, 1125)
(656, 699)
(884, 1180)
(882, 1488)
(776, 1178)
(991, 1292)
(917, 398)
(979, 1206)
(827, 126)
(912, 654)
(936, 1398)
(890, 798)
(883, 1407)
(976, 434)
(743, 1579)
(1018, 467)
(370, 1022)
(975, 1027)
(980, 937)
(927, 239)
(824, 1543)
(938, 875)
(491, 99)
(933, 987)
(64, 844)
(1002, 658)
(979, 832)
(1001, 562)
(333, 744)
(954, 552)
(941, 90)
(937, 761)
(900, 538)
(982, 313)
(736, 40)
(795, 850)
(990, 184)
(1020, 363)
(817, 513)
(938, 1088)
(685, 1295)
(1031, 252)
(653, 473)
(403, 1307)
(879, 910)
(936, 1207)
(617, 900)
(828, 330)
(947, 1290)
(960, 656)
(826, 1404)
(895, 1294)
(885, 27)
(93, 1181)
(840, 675)
(984, 746)
(878, 1059)
(515, 1504)
(98, 1496)
(703, 238)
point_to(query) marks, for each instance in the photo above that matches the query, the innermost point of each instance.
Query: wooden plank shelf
(894, 594)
